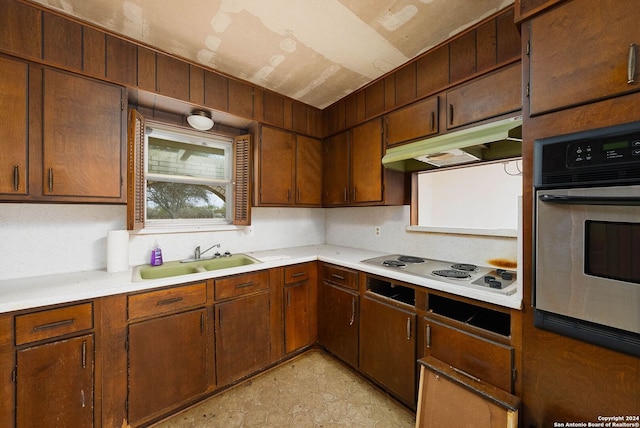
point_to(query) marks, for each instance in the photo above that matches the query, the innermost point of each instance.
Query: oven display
(612, 250)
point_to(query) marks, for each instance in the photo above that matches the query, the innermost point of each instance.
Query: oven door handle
(590, 200)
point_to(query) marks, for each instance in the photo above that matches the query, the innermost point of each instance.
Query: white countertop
(26, 293)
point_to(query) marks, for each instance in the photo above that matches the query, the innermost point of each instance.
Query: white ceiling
(314, 51)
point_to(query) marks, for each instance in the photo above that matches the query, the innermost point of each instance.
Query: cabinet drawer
(168, 300)
(341, 276)
(490, 361)
(53, 322)
(241, 284)
(296, 273)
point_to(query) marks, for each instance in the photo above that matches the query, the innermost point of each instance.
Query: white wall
(43, 239)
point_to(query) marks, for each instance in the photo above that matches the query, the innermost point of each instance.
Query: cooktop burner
(394, 263)
(411, 259)
(464, 266)
(452, 273)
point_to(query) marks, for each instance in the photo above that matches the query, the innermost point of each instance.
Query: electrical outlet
(376, 231)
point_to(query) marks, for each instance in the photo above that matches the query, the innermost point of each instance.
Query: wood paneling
(486, 45)
(196, 84)
(172, 78)
(406, 84)
(121, 61)
(93, 52)
(62, 42)
(462, 57)
(146, 69)
(374, 98)
(433, 71)
(241, 101)
(14, 19)
(274, 109)
(216, 91)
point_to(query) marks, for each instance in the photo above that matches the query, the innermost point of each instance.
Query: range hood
(490, 141)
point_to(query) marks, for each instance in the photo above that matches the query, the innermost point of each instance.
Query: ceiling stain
(314, 51)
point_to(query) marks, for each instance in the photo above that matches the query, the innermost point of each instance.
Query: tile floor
(312, 390)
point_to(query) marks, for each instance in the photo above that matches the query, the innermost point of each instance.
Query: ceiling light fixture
(200, 120)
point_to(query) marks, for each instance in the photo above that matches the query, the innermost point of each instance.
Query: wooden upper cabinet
(335, 169)
(276, 164)
(172, 77)
(489, 96)
(374, 99)
(406, 82)
(146, 69)
(580, 53)
(196, 84)
(417, 120)
(14, 142)
(93, 50)
(14, 19)
(366, 162)
(241, 99)
(83, 138)
(462, 57)
(216, 91)
(432, 72)
(274, 109)
(62, 42)
(308, 171)
(508, 37)
(121, 61)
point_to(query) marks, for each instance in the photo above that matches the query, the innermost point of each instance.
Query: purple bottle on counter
(156, 256)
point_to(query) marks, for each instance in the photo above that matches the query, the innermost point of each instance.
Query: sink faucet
(197, 254)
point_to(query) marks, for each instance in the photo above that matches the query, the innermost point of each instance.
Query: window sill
(187, 229)
(510, 233)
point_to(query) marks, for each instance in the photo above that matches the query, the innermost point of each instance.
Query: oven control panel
(599, 152)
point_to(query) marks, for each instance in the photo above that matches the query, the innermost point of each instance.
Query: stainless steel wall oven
(587, 236)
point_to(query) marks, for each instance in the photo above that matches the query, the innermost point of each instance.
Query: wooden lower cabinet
(388, 347)
(55, 384)
(242, 339)
(339, 321)
(167, 363)
(297, 324)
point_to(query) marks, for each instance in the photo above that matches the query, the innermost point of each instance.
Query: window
(478, 199)
(186, 179)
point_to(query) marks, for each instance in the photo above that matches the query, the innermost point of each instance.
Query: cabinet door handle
(631, 65)
(462, 372)
(353, 311)
(16, 177)
(450, 114)
(288, 298)
(288, 195)
(244, 285)
(169, 301)
(408, 328)
(202, 323)
(54, 324)
(335, 275)
(50, 180)
(354, 193)
(297, 274)
(220, 317)
(433, 121)
(428, 338)
(345, 194)
(84, 354)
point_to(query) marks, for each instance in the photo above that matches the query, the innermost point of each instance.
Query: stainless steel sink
(178, 268)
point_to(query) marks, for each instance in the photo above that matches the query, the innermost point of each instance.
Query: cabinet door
(82, 138)
(335, 166)
(167, 363)
(297, 332)
(13, 132)
(242, 337)
(308, 171)
(339, 320)
(417, 120)
(55, 384)
(485, 359)
(388, 347)
(580, 53)
(489, 96)
(366, 162)
(276, 167)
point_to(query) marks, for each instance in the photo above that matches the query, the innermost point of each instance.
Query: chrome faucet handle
(196, 254)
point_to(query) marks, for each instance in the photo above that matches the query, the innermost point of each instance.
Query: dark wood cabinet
(339, 313)
(352, 169)
(581, 52)
(415, 121)
(83, 139)
(388, 338)
(167, 363)
(290, 168)
(168, 347)
(242, 326)
(489, 96)
(14, 132)
(55, 384)
(297, 307)
(54, 373)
